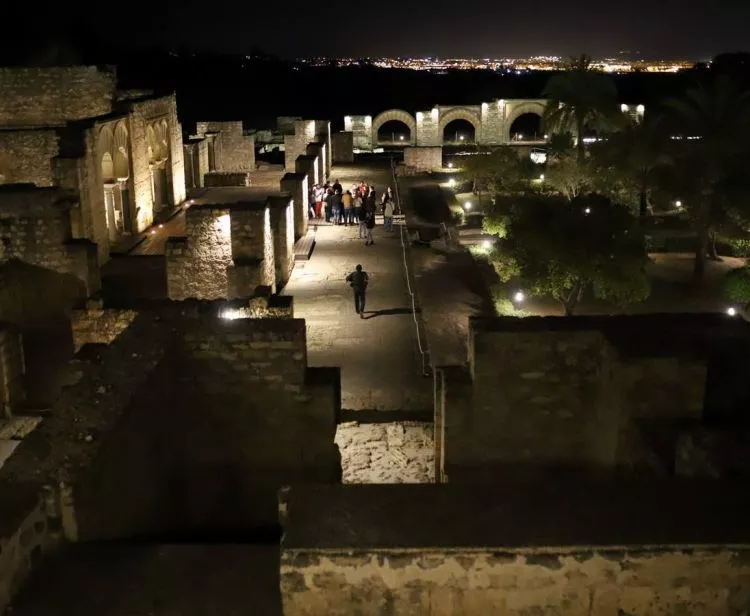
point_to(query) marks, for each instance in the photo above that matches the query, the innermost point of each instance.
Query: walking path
(381, 364)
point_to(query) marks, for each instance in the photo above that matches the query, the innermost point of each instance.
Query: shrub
(736, 285)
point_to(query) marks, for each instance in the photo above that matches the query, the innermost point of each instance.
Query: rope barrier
(402, 231)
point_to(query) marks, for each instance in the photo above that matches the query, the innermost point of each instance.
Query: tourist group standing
(354, 207)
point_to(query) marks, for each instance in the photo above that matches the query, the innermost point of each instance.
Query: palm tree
(635, 156)
(580, 98)
(716, 117)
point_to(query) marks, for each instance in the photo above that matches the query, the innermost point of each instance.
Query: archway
(157, 159)
(114, 165)
(394, 132)
(459, 126)
(520, 113)
(397, 115)
(459, 132)
(527, 127)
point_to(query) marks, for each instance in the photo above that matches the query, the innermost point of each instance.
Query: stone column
(296, 184)
(282, 226)
(428, 128)
(361, 129)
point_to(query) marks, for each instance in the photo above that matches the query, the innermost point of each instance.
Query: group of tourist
(356, 207)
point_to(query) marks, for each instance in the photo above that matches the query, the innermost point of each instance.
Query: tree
(569, 176)
(629, 164)
(499, 171)
(580, 98)
(562, 249)
(714, 121)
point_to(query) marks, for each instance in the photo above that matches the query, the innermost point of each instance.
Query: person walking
(358, 280)
(369, 226)
(388, 215)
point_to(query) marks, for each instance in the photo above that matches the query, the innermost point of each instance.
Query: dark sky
(478, 28)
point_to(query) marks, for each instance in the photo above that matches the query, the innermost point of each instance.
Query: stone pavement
(381, 365)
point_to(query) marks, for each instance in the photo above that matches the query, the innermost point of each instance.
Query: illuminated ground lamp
(731, 311)
(467, 205)
(678, 204)
(451, 182)
(587, 210)
(487, 244)
(519, 297)
(450, 165)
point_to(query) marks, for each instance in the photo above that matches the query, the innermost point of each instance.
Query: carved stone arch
(108, 168)
(395, 114)
(106, 140)
(460, 113)
(154, 149)
(121, 151)
(535, 107)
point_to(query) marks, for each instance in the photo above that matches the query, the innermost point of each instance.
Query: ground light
(587, 210)
(467, 205)
(451, 182)
(678, 204)
(450, 165)
(541, 177)
(487, 244)
(518, 297)
(731, 311)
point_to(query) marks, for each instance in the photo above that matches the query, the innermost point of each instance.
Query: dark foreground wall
(510, 549)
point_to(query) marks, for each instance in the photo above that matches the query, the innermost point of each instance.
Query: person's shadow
(371, 314)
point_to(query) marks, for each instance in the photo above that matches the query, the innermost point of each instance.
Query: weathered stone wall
(424, 158)
(27, 533)
(559, 408)
(91, 190)
(11, 370)
(282, 227)
(27, 156)
(317, 150)
(296, 184)
(296, 145)
(323, 135)
(96, 325)
(237, 150)
(428, 133)
(516, 548)
(361, 129)
(35, 228)
(713, 453)
(197, 264)
(308, 165)
(252, 250)
(607, 582)
(342, 146)
(54, 95)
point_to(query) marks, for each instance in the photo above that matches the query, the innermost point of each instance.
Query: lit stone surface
(399, 452)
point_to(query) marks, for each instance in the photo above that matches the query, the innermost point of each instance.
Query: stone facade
(492, 122)
(308, 132)
(95, 325)
(424, 159)
(120, 152)
(226, 178)
(35, 227)
(342, 147)
(11, 370)
(235, 151)
(581, 396)
(282, 226)
(515, 548)
(298, 186)
(308, 165)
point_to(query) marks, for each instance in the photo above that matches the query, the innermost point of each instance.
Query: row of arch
(114, 148)
(462, 115)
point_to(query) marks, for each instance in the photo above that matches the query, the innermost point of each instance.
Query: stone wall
(96, 325)
(282, 228)
(297, 185)
(342, 147)
(54, 95)
(252, 250)
(361, 129)
(11, 370)
(237, 150)
(296, 145)
(515, 549)
(424, 159)
(27, 156)
(35, 228)
(308, 165)
(323, 135)
(318, 150)
(197, 264)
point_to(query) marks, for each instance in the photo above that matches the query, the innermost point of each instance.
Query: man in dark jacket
(358, 280)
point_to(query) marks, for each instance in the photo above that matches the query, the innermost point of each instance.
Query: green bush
(736, 285)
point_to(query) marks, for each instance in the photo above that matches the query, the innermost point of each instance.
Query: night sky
(696, 29)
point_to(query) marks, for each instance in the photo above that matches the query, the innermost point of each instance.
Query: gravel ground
(398, 452)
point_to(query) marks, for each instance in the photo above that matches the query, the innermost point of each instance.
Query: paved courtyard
(381, 364)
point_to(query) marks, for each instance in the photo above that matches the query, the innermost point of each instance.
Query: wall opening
(394, 132)
(527, 127)
(459, 132)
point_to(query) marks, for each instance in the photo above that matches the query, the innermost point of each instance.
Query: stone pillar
(342, 144)
(282, 226)
(318, 151)
(297, 185)
(308, 165)
(11, 371)
(493, 123)
(428, 128)
(361, 129)
(323, 134)
(252, 249)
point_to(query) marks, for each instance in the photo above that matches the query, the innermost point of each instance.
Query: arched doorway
(459, 132)
(527, 127)
(157, 160)
(395, 132)
(115, 173)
